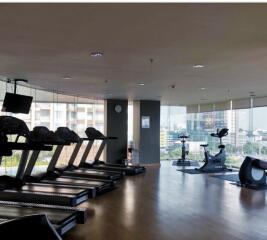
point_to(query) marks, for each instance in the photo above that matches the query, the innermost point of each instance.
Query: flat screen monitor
(17, 103)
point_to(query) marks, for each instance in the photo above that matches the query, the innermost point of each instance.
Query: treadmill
(95, 186)
(15, 189)
(43, 229)
(93, 135)
(74, 171)
(63, 218)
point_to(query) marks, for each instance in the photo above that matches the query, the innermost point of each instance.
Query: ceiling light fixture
(67, 77)
(202, 88)
(198, 66)
(97, 54)
(141, 84)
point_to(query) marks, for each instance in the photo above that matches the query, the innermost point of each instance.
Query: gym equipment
(63, 218)
(93, 135)
(56, 176)
(43, 135)
(252, 173)
(215, 163)
(71, 170)
(183, 161)
(15, 189)
(23, 226)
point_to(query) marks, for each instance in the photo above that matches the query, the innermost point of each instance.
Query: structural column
(146, 131)
(116, 125)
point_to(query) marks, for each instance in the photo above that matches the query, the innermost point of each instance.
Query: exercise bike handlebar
(220, 133)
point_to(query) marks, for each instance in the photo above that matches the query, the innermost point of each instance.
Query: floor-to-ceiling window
(259, 134)
(54, 110)
(172, 124)
(247, 132)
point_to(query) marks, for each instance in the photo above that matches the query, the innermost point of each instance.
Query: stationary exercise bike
(183, 160)
(214, 163)
(252, 173)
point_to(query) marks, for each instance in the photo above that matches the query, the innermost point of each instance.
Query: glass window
(172, 123)
(247, 133)
(47, 111)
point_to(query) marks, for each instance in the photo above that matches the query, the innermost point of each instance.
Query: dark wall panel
(116, 126)
(150, 137)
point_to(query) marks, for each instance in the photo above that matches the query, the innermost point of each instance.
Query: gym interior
(133, 121)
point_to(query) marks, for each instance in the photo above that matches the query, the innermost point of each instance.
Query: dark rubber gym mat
(194, 171)
(192, 163)
(228, 177)
(235, 179)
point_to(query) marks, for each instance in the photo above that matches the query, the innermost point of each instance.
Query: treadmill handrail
(86, 152)
(75, 152)
(98, 138)
(55, 157)
(26, 146)
(35, 154)
(93, 138)
(54, 143)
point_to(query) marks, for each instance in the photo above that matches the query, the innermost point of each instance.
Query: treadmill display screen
(17, 103)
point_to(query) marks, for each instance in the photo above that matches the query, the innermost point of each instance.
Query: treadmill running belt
(89, 171)
(54, 215)
(52, 189)
(77, 181)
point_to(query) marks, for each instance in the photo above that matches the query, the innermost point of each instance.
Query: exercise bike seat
(221, 146)
(183, 136)
(204, 145)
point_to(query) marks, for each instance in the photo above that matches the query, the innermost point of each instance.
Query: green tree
(251, 148)
(264, 150)
(231, 148)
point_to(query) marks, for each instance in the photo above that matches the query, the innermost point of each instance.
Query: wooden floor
(166, 204)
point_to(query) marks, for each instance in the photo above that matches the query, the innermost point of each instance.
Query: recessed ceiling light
(198, 66)
(67, 77)
(141, 84)
(202, 88)
(97, 54)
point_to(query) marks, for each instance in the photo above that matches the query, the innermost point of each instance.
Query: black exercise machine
(30, 227)
(215, 163)
(15, 189)
(183, 161)
(63, 218)
(57, 176)
(252, 173)
(93, 135)
(72, 170)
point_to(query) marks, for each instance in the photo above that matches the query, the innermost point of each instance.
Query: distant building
(75, 116)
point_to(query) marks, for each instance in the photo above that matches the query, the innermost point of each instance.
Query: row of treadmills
(51, 197)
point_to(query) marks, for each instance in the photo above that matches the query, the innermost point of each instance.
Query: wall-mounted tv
(17, 103)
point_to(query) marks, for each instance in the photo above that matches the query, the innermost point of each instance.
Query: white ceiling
(43, 42)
